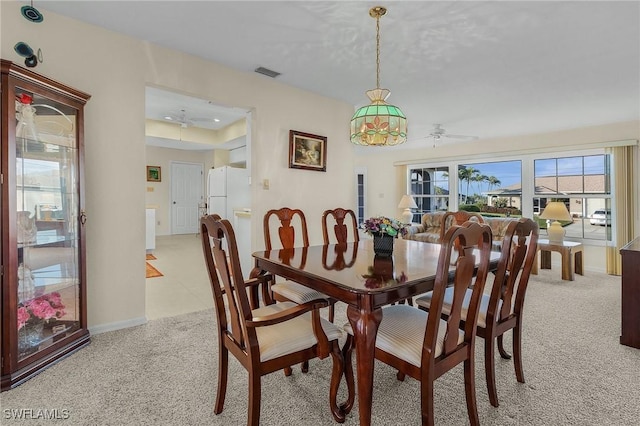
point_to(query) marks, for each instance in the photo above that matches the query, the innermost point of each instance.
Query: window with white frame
(523, 184)
(430, 190)
(493, 187)
(361, 194)
(583, 183)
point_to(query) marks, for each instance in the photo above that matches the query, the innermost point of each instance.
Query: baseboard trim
(103, 328)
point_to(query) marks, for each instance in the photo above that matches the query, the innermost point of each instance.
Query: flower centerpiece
(32, 315)
(384, 231)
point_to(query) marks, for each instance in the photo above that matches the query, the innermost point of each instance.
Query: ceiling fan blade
(446, 135)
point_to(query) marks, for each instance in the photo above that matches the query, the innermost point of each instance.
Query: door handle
(174, 202)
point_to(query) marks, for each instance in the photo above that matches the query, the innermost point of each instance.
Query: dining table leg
(364, 323)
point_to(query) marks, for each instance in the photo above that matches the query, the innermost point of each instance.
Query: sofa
(432, 227)
(429, 230)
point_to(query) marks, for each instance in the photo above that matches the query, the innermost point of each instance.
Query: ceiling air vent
(267, 72)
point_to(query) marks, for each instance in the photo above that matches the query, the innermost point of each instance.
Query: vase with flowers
(33, 314)
(384, 231)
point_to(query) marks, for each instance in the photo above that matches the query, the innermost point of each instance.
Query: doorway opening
(187, 137)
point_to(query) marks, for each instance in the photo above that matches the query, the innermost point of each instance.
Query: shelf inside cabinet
(58, 237)
(51, 332)
(44, 148)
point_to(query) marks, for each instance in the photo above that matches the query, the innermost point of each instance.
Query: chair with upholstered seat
(340, 228)
(422, 344)
(263, 339)
(288, 220)
(501, 310)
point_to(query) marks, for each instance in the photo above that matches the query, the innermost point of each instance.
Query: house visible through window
(583, 183)
(494, 187)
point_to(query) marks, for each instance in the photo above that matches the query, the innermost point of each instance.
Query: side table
(571, 253)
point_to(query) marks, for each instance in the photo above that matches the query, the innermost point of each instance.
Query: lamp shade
(378, 124)
(407, 202)
(555, 210)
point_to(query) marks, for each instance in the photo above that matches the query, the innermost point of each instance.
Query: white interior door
(186, 194)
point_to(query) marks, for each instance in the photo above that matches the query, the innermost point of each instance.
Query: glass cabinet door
(47, 228)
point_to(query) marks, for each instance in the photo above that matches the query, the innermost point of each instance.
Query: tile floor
(185, 285)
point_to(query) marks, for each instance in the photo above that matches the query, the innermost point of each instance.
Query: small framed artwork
(154, 174)
(307, 151)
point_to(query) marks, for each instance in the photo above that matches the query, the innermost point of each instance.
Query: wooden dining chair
(458, 218)
(423, 345)
(501, 310)
(292, 232)
(268, 338)
(340, 228)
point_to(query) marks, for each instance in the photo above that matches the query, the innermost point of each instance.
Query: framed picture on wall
(154, 174)
(307, 151)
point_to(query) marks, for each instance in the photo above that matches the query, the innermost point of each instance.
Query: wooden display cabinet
(43, 293)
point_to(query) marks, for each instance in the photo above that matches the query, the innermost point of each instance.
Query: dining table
(354, 274)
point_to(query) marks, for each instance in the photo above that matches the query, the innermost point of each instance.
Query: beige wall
(114, 69)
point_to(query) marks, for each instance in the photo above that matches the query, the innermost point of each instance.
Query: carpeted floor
(164, 373)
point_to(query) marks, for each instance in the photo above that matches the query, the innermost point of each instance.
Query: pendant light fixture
(379, 123)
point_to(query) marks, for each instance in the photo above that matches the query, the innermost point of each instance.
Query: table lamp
(407, 203)
(555, 210)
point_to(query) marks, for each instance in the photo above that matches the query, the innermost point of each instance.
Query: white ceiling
(483, 68)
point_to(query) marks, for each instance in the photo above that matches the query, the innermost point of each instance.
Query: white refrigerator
(228, 190)
(229, 195)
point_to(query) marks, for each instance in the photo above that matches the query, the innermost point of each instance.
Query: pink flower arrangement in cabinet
(41, 308)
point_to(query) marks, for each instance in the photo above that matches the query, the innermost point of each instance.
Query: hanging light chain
(377, 12)
(378, 51)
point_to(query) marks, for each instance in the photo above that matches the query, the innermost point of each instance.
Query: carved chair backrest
(340, 228)
(514, 268)
(225, 276)
(288, 218)
(457, 249)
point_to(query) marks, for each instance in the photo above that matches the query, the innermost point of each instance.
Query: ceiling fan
(185, 121)
(180, 118)
(439, 132)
